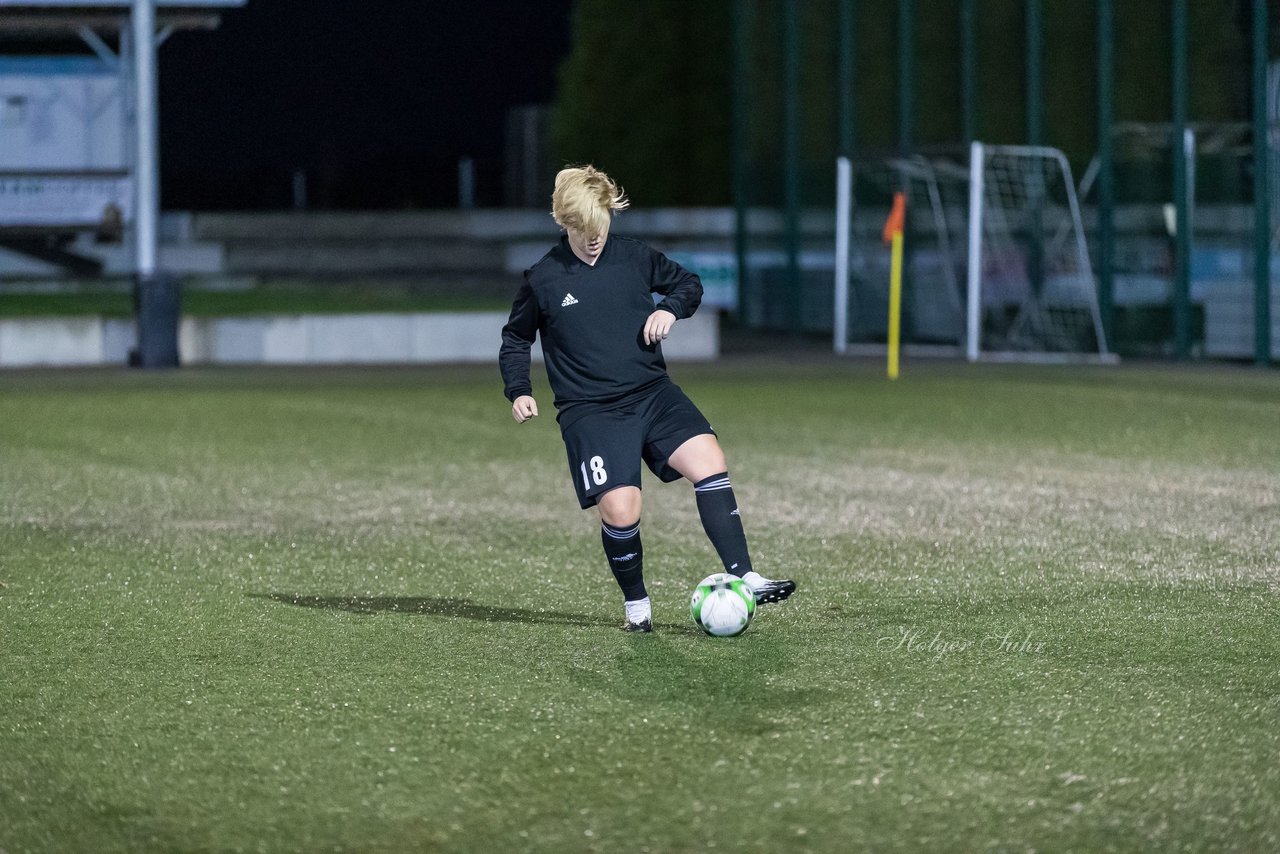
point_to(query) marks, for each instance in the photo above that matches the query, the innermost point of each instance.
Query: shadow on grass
(741, 683)
(436, 606)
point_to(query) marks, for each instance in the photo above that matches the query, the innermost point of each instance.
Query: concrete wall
(304, 339)
(459, 249)
(1229, 320)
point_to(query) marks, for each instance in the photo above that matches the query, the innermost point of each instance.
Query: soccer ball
(722, 605)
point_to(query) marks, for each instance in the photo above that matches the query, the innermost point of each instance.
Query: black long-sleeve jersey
(591, 319)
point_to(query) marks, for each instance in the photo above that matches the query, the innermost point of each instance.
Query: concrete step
(202, 259)
(365, 256)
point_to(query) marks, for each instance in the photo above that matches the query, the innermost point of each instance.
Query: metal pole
(1035, 137)
(146, 175)
(973, 328)
(906, 74)
(1035, 73)
(791, 155)
(847, 75)
(299, 189)
(1261, 191)
(844, 208)
(741, 141)
(1182, 224)
(1106, 165)
(466, 183)
(156, 297)
(969, 70)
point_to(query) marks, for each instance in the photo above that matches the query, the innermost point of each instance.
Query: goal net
(1032, 294)
(936, 190)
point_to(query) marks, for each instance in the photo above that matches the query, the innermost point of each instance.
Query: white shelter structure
(78, 148)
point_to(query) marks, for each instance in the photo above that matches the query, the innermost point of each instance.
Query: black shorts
(606, 444)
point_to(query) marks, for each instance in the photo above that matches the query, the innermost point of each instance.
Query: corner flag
(893, 228)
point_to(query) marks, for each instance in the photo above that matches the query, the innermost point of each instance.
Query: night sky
(375, 100)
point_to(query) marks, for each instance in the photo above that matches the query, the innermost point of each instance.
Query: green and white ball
(723, 605)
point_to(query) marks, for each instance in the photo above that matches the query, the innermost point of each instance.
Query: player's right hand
(523, 408)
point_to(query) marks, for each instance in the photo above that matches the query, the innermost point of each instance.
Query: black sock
(626, 558)
(719, 511)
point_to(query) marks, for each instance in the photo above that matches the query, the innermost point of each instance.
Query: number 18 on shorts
(603, 452)
(606, 447)
(594, 477)
(593, 472)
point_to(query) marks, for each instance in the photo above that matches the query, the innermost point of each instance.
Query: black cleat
(774, 591)
(642, 626)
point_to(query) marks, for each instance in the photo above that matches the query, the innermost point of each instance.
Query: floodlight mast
(145, 171)
(155, 296)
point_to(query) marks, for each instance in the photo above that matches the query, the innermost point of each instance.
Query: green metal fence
(884, 79)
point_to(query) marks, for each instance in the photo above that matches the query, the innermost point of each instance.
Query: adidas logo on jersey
(568, 300)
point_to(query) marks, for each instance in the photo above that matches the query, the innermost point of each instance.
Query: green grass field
(358, 610)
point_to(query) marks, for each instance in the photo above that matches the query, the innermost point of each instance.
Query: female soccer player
(590, 298)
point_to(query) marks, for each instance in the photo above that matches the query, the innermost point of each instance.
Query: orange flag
(897, 218)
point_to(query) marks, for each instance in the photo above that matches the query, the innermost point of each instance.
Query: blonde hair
(585, 199)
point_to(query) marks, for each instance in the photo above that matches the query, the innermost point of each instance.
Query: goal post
(1032, 293)
(973, 325)
(932, 267)
(844, 220)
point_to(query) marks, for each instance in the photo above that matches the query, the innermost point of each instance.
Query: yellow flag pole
(895, 303)
(893, 229)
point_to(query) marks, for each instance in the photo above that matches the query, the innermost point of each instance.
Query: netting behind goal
(933, 311)
(1032, 293)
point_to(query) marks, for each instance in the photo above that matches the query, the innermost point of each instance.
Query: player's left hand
(658, 326)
